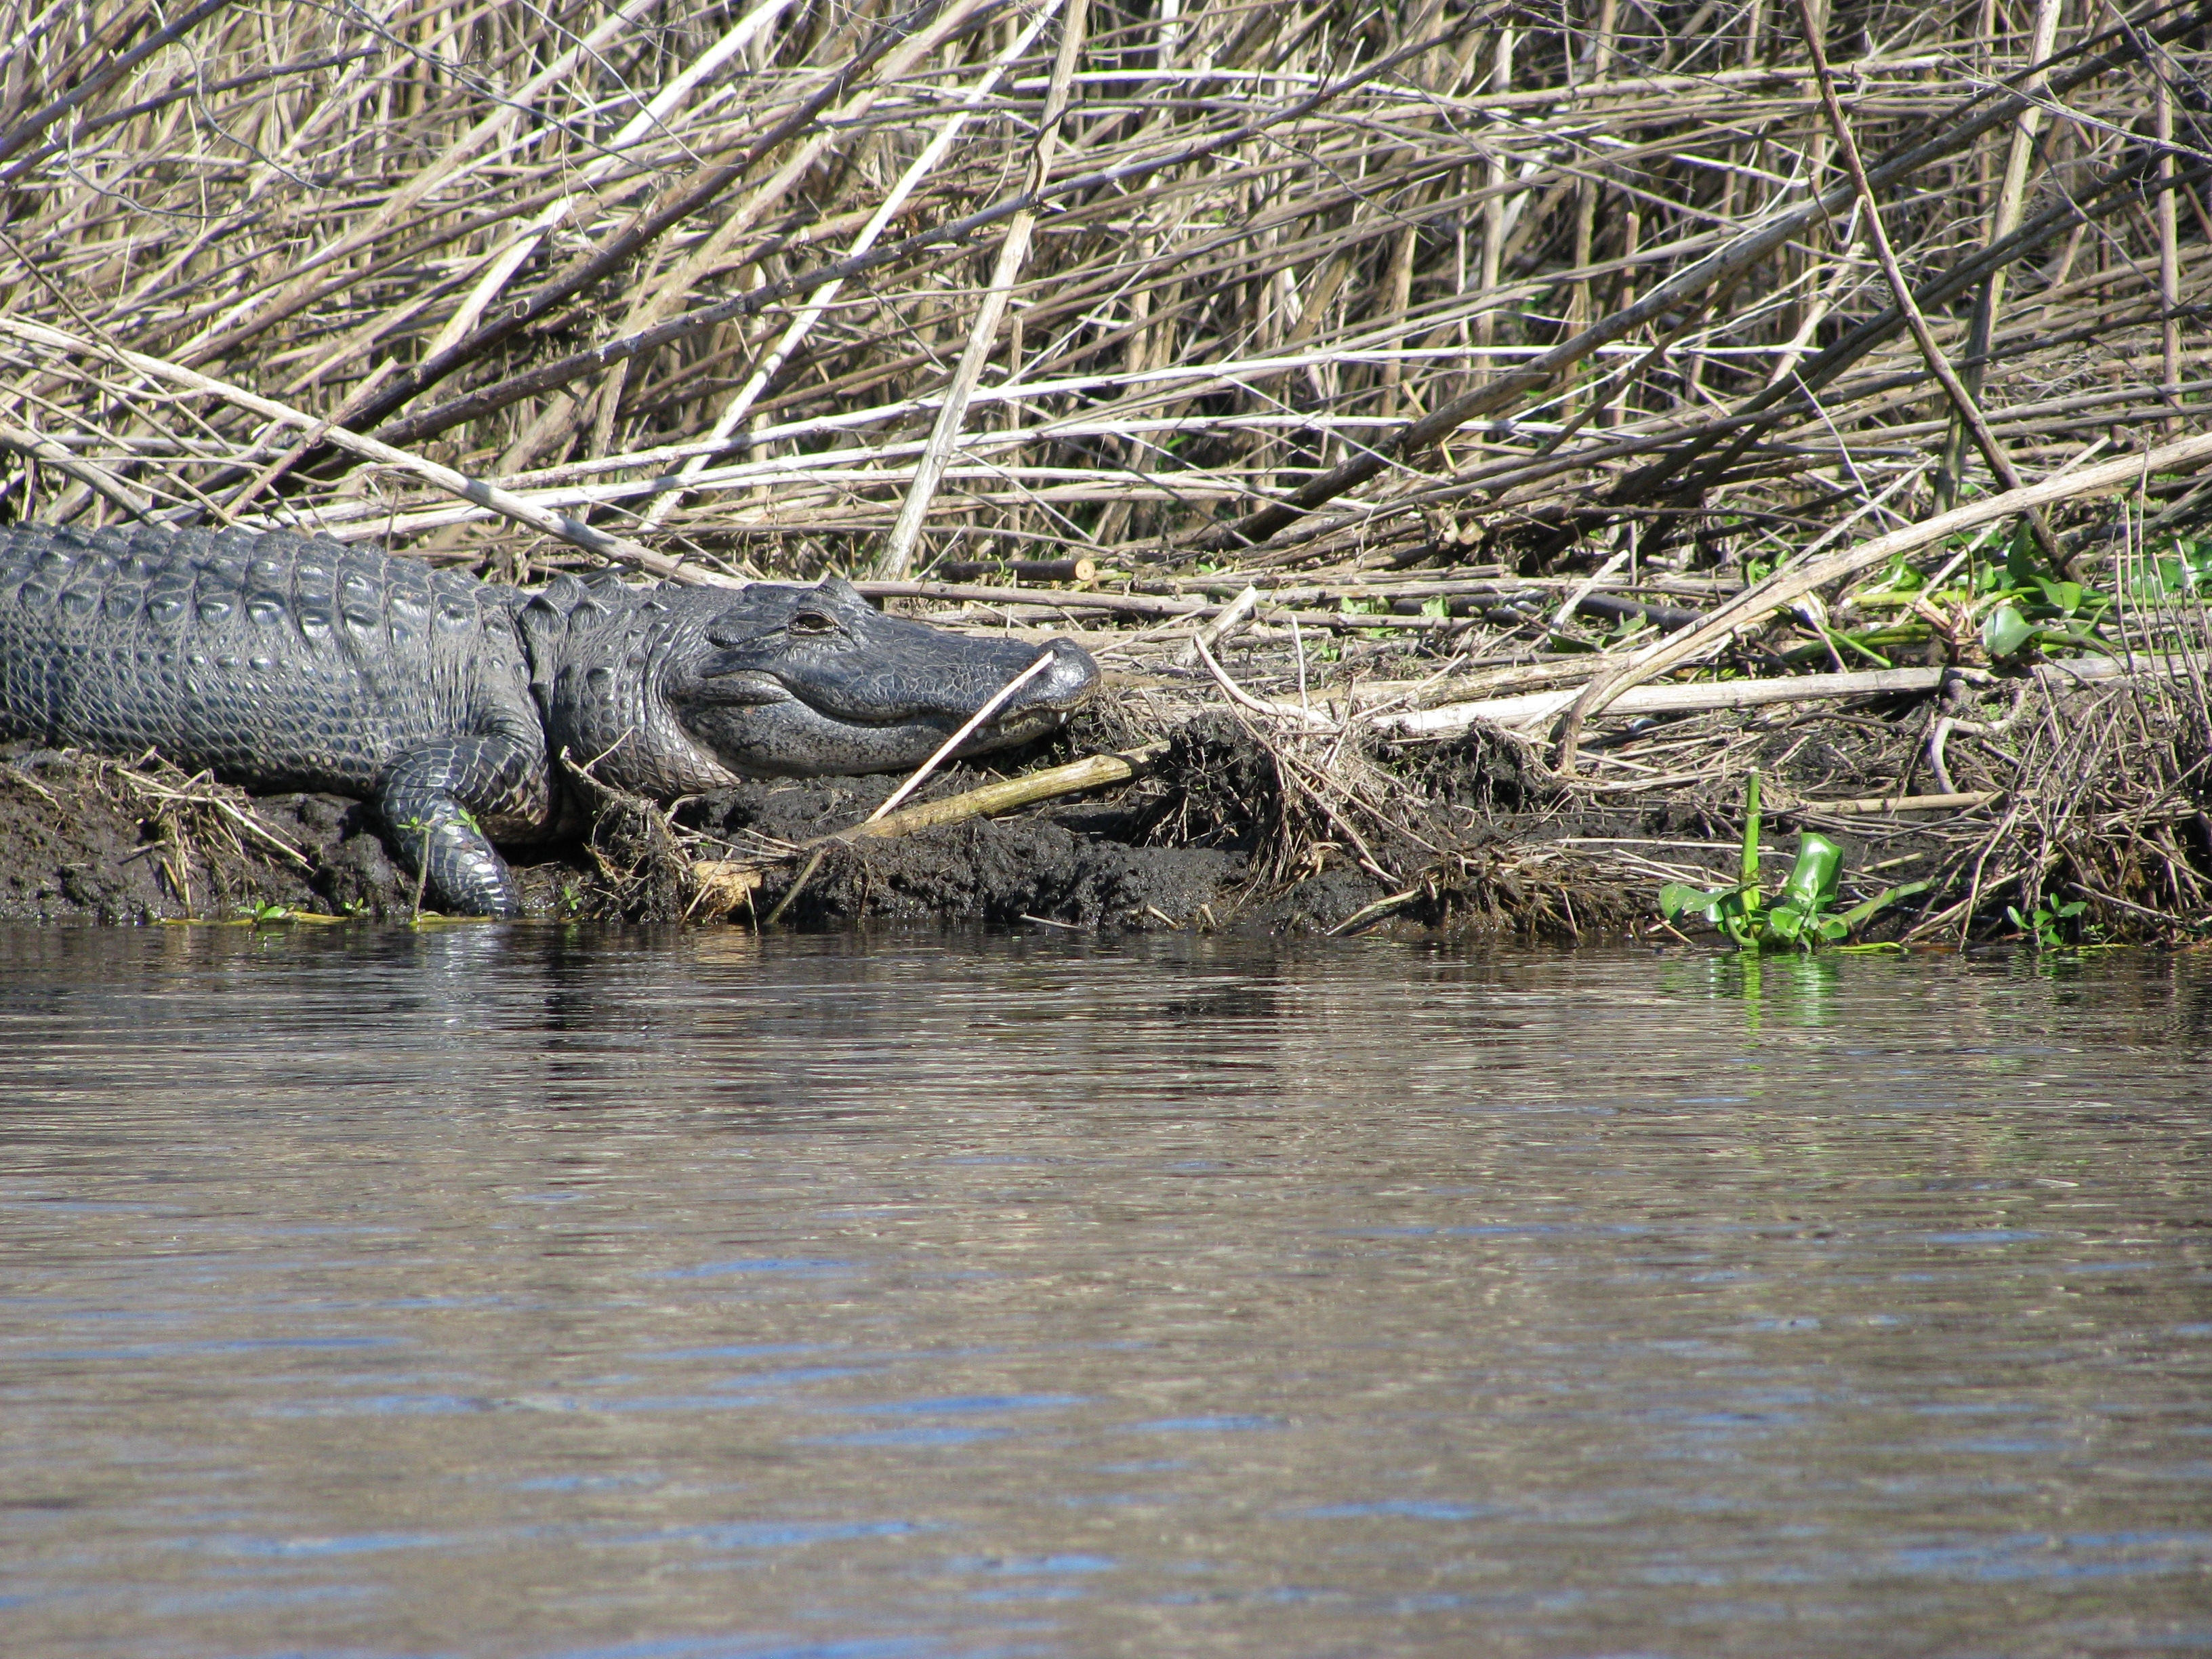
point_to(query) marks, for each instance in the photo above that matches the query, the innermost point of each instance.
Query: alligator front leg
(434, 800)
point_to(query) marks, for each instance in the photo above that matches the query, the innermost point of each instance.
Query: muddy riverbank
(2036, 793)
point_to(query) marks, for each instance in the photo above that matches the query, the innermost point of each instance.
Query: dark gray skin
(284, 662)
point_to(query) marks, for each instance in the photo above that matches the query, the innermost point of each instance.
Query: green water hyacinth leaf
(1800, 914)
(2005, 631)
(1813, 879)
(1678, 896)
(1902, 575)
(2046, 926)
(2171, 577)
(2064, 598)
(2185, 569)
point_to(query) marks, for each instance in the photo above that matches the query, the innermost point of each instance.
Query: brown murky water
(674, 1296)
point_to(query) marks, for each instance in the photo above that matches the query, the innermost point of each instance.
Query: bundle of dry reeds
(718, 278)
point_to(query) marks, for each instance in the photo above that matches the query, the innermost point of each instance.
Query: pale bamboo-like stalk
(2169, 259)
(1990, 298)
(1494, 210)
(897, 556)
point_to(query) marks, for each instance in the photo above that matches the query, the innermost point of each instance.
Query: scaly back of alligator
(284, 662)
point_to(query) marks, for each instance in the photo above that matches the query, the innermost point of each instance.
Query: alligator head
(684, 688)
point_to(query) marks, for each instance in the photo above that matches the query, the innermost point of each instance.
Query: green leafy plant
(416, 826)
(1858, 644)
(1800, 916)
(2182, 569)
(1901, 575)
(2005, 632)
(273, 915)
(2045, 925)
(2018, 601)
(2030, 605)
(1803, 913)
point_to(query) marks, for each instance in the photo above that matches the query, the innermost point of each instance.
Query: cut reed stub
(1027, 570)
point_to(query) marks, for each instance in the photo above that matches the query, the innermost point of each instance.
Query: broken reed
(1270, 241)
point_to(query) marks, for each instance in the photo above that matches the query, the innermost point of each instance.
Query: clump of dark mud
(87, 839)
(1083, 864)
(84, 838)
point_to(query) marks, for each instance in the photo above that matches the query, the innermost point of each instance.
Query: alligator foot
(424, 802)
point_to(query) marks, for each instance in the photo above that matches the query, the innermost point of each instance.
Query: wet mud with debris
(84, 838)
(1235, 827)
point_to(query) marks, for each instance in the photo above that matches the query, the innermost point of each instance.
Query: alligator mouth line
(918, 715)
(1031, 704)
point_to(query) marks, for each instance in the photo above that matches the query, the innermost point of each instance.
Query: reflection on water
(522, 1293)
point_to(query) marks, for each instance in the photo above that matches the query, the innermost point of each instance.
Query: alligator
(285, 662)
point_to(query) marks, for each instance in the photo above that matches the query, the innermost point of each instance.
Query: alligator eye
(810, 622)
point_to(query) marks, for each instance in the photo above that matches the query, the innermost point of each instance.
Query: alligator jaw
(798, 682)
(1064, 685)
(756, 723)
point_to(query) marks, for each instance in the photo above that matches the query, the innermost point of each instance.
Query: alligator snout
(1042, 703)
(1064, 686)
